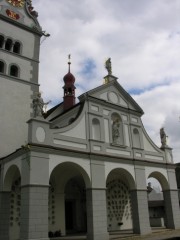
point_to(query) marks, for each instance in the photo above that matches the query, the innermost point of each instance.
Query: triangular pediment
(113, 93)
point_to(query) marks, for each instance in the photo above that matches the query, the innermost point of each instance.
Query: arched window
(96, 129)
(1, 41)
(2, 67)
(136, 138)
(8, 44)
(17, 48)
(14, 71)
(117, 129)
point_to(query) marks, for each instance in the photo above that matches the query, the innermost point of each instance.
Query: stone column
(34, 212)
(96, 214)
(34, 196)
(139, 200)
(4, 215)
(96, 203)
(171, 202)
(140, 212)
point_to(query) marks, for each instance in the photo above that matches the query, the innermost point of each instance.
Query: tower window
(69, 91)
(1, 41)
(17, 47)
(2, 67)
(14, 71)
(8, 44)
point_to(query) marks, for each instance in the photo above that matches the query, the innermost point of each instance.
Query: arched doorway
(75, 205)
(156, 183)
(12, 185)
(67, 200)
(119, 208)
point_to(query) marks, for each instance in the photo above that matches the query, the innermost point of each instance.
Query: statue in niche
(116, 131)
(38, 106)
(163, 137)
(108, 66)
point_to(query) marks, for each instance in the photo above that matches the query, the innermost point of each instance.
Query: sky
(141, 37)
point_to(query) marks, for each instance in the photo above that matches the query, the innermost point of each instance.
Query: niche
(96, 129)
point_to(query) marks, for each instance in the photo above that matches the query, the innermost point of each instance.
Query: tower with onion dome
(69, 89)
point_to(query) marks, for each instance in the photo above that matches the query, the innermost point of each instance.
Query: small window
(8, 44)
(17, 48)
(2, 67)
(1, 41)
(14, 71)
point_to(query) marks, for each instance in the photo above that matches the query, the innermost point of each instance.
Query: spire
(69, 88)
(69, 63)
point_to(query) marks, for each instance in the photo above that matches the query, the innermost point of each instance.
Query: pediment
(113, 93)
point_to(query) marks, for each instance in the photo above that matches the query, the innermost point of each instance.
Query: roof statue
(108, 66)
(38, 106)
(163, 137)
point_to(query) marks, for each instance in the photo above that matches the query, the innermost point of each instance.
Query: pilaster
(34, 196)
(171, 202)
(140, 211)
(96, 214)
(96, 203)
(34, 212)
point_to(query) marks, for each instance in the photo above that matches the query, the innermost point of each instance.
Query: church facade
(79, 168)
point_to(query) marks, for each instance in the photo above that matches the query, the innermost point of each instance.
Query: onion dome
(69, 78)
(69, 89)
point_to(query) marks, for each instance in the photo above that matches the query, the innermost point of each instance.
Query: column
(34, 212)
(96, 214)
(96, 203)
(140, 212)
(171, 202)
(4, 215)
(34, 196)
(139, 200)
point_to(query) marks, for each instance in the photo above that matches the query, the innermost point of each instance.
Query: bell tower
(20, 35)
(69, 89)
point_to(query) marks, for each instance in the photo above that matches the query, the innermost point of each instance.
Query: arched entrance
(12, 185)
(119, 210)
(156, 185)
(67, 200)
(75, 205)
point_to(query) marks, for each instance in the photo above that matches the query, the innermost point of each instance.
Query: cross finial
(69, 62)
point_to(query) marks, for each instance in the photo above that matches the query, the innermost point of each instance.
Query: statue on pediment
(38, 106)
(108, 66)
(163, 137)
